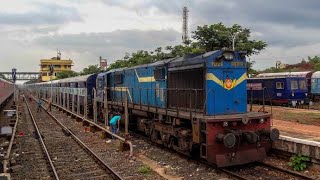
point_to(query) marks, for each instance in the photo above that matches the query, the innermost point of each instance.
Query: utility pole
(51, 73)
(14, 78)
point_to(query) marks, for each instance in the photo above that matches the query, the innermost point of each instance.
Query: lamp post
(234, 36)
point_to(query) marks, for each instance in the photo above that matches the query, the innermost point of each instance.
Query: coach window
(302, 84)
(279, 85)
(294, 84)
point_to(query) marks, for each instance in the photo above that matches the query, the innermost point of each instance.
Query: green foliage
(66, 74)
(317, 66)
(250, 70)
(299, 162)
(217, 36)
(314, 60)
(91, 69)
(207, 38)
(144, 169)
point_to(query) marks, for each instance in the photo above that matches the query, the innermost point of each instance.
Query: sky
(83, 30)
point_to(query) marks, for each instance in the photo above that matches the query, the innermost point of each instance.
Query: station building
(60, 65)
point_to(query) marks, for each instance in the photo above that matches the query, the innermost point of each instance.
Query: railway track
(258, 170)
(68, 156)
(28, 159)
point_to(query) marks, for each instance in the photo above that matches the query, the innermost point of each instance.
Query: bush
(299, 162)
(144, 169)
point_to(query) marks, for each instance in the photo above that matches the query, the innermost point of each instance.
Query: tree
(218, 36)
(317, 67)
(207, 38)
(250, 70)
(314, 60)
(91, 69)
(66, 74)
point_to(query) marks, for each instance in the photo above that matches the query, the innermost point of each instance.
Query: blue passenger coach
(315, 86)
(279, 90)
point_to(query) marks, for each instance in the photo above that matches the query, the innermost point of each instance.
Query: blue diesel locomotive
(195, 104)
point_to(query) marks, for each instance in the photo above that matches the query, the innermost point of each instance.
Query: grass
(144, 169)
(300, 117)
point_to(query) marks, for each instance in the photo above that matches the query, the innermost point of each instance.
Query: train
(6, 91)
(195, 104)
(285, 88)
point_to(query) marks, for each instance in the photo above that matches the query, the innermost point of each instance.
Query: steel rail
(232, 174)
(96, 125)
(7, 157)
(285, 171)
(41, 140)
(225, 170)
(85, 147)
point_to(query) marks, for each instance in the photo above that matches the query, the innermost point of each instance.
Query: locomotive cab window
(279, 85)
(302, 84)
(294, 84)
(159, 73)
(118, 78)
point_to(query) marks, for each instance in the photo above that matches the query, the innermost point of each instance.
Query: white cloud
(84, 30)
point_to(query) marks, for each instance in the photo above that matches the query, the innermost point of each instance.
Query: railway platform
(298, 138)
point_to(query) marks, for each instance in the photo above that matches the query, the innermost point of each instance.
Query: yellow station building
(60, 65)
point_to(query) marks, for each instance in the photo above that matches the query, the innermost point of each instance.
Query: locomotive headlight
(306, 94)
(228, 56)
(261, 120)
(225, 124)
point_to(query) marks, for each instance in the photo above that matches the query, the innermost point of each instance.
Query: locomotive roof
(184, 62)
(286, 74)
